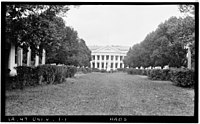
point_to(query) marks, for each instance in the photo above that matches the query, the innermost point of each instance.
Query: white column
(11, 61)
(36, 59)
(43, 56)
(122, 65)
(95, 61)
(189, 58)
(113, 62)
(19, 56)
(104, 61)
(100, 62)
(109, 63)
(29, 57)
(122, 62)
(91, 66)
(118, 66)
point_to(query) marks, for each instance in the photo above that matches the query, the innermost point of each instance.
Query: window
(111, 66)
(107, 57)
(102, 57)
(120, 58)
(116, 57)
(97, 65)
(102, 65)
(120, 65)
(116, 65)
(98, 57)
(93, 57)
(93, 65)
(111, 57)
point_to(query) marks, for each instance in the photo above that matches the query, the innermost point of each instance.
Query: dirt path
(102, 94)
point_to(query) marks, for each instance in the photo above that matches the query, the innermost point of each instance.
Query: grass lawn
(103, 94)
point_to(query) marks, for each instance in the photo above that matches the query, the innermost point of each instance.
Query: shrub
(182, 77)
(43, 74)
(89, 70)
(11, 83)
(26, 76)
(121, 69)
(135, 71)
(155, 74)
(60, 74)
(144, 72)
(46, 74)
(159, 74)
(103, 71)
(95, 70)
(84, 70)
(70, 72)
(53, 74)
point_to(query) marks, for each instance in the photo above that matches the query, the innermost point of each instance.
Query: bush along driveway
(103, 94)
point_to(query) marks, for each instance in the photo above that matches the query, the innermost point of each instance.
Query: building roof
(120, 48)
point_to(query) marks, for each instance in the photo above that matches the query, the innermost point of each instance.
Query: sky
(123, 25)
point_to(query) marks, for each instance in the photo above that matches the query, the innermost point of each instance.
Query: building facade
(108, 57)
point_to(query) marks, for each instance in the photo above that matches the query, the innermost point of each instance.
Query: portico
(16, 58)
(108, 58)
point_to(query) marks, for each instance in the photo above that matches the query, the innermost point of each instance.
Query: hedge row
(121, 69)
(136, 71)
(183, 77)
(179, 77)
(40, 75)
(84, 70)
(159, 74)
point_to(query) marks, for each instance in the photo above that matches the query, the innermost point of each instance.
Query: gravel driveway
(103, 94)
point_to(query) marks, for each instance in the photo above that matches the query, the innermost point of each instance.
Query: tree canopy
(72, 50)
(165, 45)
(30, 25)
(41, 26)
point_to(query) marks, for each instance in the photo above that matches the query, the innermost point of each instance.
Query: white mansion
(108, 57)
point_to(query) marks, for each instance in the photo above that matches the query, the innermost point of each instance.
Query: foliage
(40, 26)
(46, 74)
(71, 51)
(179, 77)
(159, 74)
(95, 70)
(183, 77)
(71, 71)
(30, 25)
(84, 54)
(103, 71)
(121, 69)
(134, 71)
(26, 76)
(187, 9)
(165, 45)
(40, 75)
(84, 70)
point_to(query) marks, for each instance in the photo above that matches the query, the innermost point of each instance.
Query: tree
(30, 25)
(84, 54)
(190, 23)
(71, 51)
(66, 50)
(165, 45)
(187, 9)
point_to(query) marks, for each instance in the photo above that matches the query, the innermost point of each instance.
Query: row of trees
(41, 26)
(165, 45)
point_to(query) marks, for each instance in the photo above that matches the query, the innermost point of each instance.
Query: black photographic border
(100, 118)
